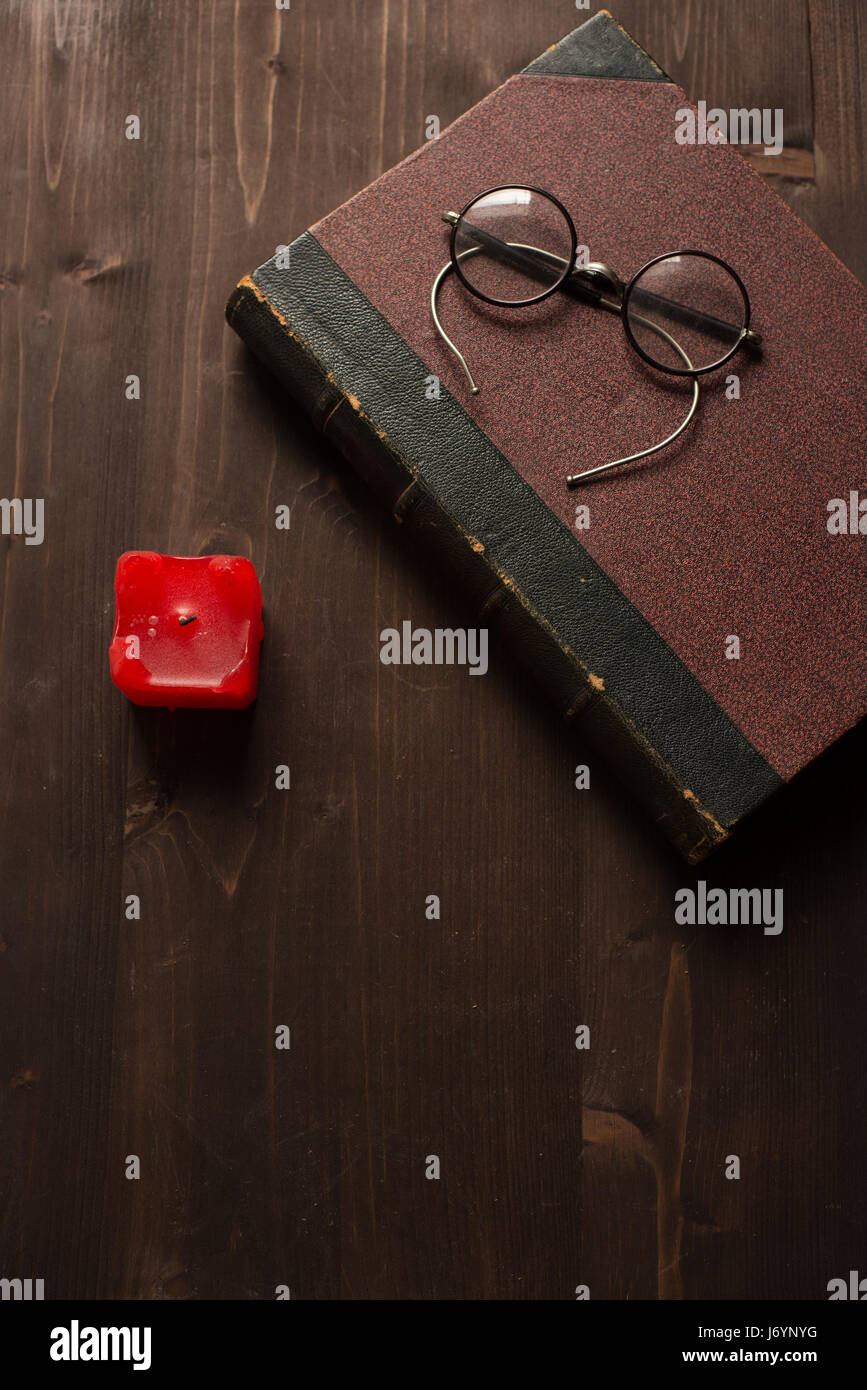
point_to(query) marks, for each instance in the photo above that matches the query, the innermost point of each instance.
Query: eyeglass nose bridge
(598, 282)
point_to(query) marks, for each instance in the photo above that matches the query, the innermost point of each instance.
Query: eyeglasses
(685, 313)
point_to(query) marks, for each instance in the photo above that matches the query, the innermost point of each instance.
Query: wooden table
(305, 1167)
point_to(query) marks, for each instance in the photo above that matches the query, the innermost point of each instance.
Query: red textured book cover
(726, 533)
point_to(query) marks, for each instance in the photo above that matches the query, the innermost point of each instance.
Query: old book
(730, 533)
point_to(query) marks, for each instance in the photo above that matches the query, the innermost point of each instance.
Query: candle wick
(191, 619)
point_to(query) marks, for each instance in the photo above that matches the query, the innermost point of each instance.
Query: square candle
(187, 630)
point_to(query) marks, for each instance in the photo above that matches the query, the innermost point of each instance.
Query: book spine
(498, 604)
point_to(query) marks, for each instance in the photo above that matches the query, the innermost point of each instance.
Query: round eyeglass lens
(513, 245)
(686, 301)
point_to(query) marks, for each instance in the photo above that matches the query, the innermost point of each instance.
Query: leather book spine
(600, 723)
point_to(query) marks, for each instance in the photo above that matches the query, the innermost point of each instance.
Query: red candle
(187, 630)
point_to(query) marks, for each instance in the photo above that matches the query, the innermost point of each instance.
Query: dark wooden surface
(306, 907)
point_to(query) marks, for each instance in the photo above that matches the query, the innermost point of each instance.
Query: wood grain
(410, 1037)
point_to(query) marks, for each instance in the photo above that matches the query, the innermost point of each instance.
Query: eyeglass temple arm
(435, 289)
(573, 478)
(589, 284)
